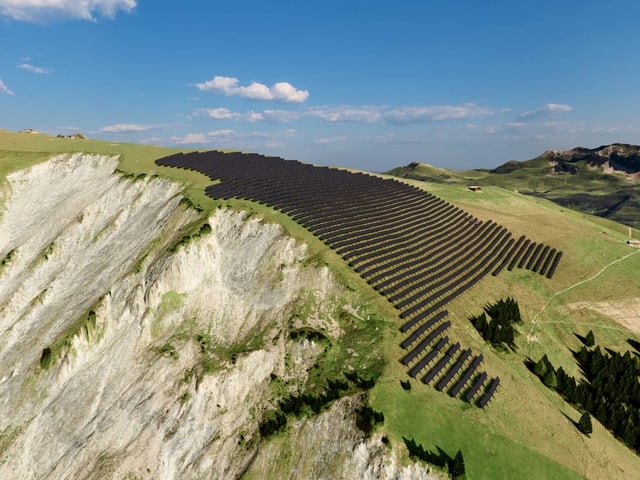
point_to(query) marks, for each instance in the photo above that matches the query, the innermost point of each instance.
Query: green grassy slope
(526, 423)
(526, 431)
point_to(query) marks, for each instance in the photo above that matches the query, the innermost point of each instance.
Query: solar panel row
(414, 248)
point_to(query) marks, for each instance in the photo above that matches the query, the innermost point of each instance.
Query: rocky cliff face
(615, 158)
(128, 350)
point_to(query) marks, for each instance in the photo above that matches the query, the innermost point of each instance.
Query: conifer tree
(582, 355)
(492, 331)
(584, 424)
(541, 368)
(509, 336)
(590, 340)
(456, 466)
(550, 379)
(481, 324)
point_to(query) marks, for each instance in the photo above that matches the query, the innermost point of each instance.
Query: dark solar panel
(441, 364)
(487, 396)
(429, 357)
(476, 386)
(414, 248)
(466, 376)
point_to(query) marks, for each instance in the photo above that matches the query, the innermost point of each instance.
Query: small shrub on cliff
(46, 359)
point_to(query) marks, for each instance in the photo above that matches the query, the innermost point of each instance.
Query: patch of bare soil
(626, 312)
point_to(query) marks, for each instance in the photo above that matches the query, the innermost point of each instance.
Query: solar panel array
(417, 250)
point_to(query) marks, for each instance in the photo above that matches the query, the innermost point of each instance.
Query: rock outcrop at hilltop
(128, 350)
(615, 158)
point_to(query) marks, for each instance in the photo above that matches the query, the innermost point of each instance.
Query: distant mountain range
(603, 181)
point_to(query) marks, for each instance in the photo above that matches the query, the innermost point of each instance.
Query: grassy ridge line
(589, 189)
(531, 176)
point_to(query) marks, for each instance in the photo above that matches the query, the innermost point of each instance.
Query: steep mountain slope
(135, 346)
(603, 181)
(171, 348)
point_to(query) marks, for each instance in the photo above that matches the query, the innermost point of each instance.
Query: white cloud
(255, 116)
(435, 113)
(346, 114)
(217, 113)
(219, 84)
(127, 128)
(222, 133)
(273, 116)
(288, 93)
(558, 107)
(33, 69)
(41, 10)
(546, 111)
(278, 116)
(235, 140)
(4, 88)
(281, 91)
(255, 91)
(191, 139)
(353, 113)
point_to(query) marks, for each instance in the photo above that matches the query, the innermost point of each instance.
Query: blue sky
(366, 84)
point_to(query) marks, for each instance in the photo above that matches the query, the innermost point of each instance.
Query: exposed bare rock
(124, 356)
(613, 158)
(349, 454)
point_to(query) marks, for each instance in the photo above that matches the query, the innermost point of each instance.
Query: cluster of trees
(495, 324)
(610, 390)
(306, 403)
(440, 458)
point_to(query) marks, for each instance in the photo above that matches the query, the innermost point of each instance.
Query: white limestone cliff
(122, 356)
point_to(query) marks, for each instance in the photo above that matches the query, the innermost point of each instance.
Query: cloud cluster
(218, 114)
(548, 110)
(347, 114)
(4, 88)
(279, 92)
(355, 114)
(227, 138)
(42, 10)
(436, 113)
(33, 69)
